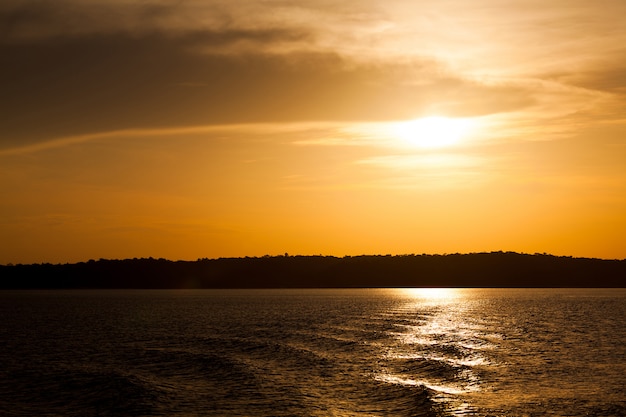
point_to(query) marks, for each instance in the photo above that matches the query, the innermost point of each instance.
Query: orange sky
(234, 128)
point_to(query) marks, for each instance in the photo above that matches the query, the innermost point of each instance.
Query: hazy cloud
(605, 78)
(71, 67)
(73, 85)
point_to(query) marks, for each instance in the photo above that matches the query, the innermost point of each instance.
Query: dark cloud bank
(60, 82)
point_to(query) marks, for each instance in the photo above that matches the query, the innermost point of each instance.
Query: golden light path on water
(436, 334)
(441, 294)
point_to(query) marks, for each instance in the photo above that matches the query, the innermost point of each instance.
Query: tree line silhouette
(494, 269)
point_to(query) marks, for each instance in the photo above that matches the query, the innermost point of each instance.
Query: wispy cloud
(438, 161)
(71, 70)
(239, 130)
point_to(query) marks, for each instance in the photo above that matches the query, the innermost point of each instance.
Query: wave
(256, 356)
(78, 392)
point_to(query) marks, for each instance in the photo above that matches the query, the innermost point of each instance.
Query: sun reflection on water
(439, 294)
(439, 345)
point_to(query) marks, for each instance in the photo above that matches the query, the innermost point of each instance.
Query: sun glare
(431, 293)
(433, 132)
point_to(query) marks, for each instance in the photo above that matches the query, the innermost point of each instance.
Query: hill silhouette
(494, 269)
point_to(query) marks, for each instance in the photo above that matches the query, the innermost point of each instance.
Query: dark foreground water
(313, 353)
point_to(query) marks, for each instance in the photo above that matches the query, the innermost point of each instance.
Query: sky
(227, 128)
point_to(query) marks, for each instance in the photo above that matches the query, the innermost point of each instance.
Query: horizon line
(287, 255)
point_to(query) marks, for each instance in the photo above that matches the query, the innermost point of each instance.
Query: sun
(433, 131)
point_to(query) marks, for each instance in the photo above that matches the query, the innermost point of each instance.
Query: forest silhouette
(494, 269)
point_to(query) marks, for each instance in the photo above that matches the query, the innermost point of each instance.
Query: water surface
(313, 352)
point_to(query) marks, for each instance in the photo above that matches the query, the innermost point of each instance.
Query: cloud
(72, 68)
(439, 161)
(608, 77)
(24, 20)
(57, 87)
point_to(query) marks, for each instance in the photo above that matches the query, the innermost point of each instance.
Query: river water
(367, 352)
